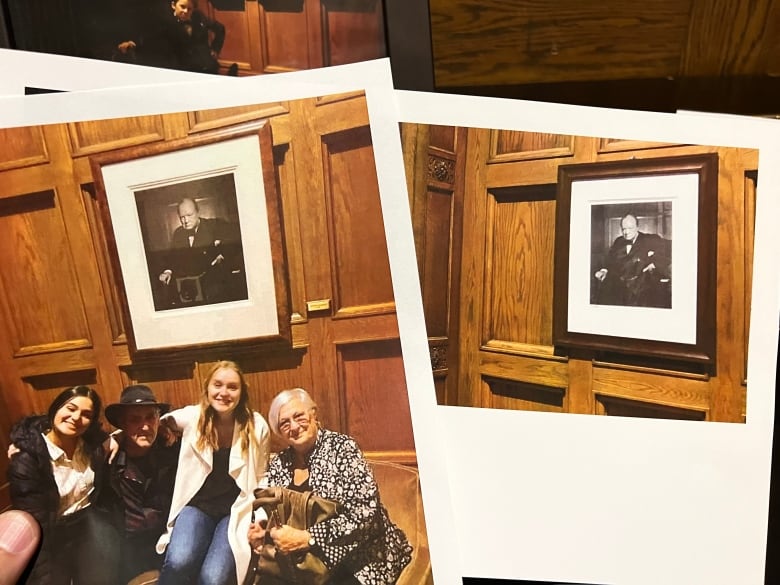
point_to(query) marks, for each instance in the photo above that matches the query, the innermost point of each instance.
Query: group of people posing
(163, 33)
(173, 490)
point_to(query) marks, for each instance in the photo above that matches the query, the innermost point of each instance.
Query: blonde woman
(223, 458)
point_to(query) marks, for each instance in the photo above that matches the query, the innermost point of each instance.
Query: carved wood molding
(438, 351)
(441, 170)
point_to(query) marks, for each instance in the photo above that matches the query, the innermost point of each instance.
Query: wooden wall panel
(22, 147)
(507, 145)
(436, 270)
(44, 308)
(523, 396)
(442, 138)
(285, 38)
(360, 262)
(519, 272)
(372, 375)
(93, 137)
(352, 31)
(238, 37)
(577, 41)
(203, 120)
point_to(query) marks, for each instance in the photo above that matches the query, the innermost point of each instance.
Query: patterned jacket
(362, 536)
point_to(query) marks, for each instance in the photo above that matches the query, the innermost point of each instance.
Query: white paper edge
(42, 70)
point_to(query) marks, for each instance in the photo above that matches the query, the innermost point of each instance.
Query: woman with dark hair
(223, 458)
(56, 475)
(361, 544)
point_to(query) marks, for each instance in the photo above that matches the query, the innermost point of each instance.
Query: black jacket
(157, 489)
(33, 489)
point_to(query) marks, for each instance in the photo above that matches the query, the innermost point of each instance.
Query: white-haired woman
(361, 542)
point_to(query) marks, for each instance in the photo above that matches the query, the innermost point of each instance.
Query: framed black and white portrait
(635, 257)
(195, 237)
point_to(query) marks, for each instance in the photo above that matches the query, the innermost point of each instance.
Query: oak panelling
(550, 373)
(475, 200)
(238, 37)
(360, 265)
(284, 38)
(532, 172)
(524, 396)
(727, 38)
(435, 273)
(107, 280)
(519, 266)
(339, 111)
(352, 31)
(610, 406)
(529, 42)
(370, 327)
(668, 390)
(375, 405)
(509, 145)
(55, 363)
(22, 147)
(285, 172)
(726, 401)
(92, 137)
(623, 145)
(203, 120)
(442, 138)
(44, 310)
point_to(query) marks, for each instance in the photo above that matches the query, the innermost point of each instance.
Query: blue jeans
(199, 551)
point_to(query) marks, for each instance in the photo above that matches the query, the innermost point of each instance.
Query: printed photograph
(291, 458)
(632, 254)
(576, 274)
(192, 241)
(224, 37)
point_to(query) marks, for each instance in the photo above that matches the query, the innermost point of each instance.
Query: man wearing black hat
(141, 477)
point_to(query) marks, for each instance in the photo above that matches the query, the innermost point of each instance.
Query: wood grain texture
(41, 314)
(209, 119)
(352, 34)
(505, 42)
(435, 273)
(285, 43)
(93, 137)
(22, 147)
(519, 270)
(728, 38)
(508, 145)
(523, 396)
(359, 258)
(472, 269)
(375, 403)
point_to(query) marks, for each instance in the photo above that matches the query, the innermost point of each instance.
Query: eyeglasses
(302, 419)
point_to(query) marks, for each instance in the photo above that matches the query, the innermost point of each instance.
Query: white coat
(194, 467)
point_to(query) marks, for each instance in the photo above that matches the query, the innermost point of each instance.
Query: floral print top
(362, 537)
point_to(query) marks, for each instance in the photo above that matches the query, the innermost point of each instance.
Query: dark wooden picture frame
(128, 178)
(685, 189)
